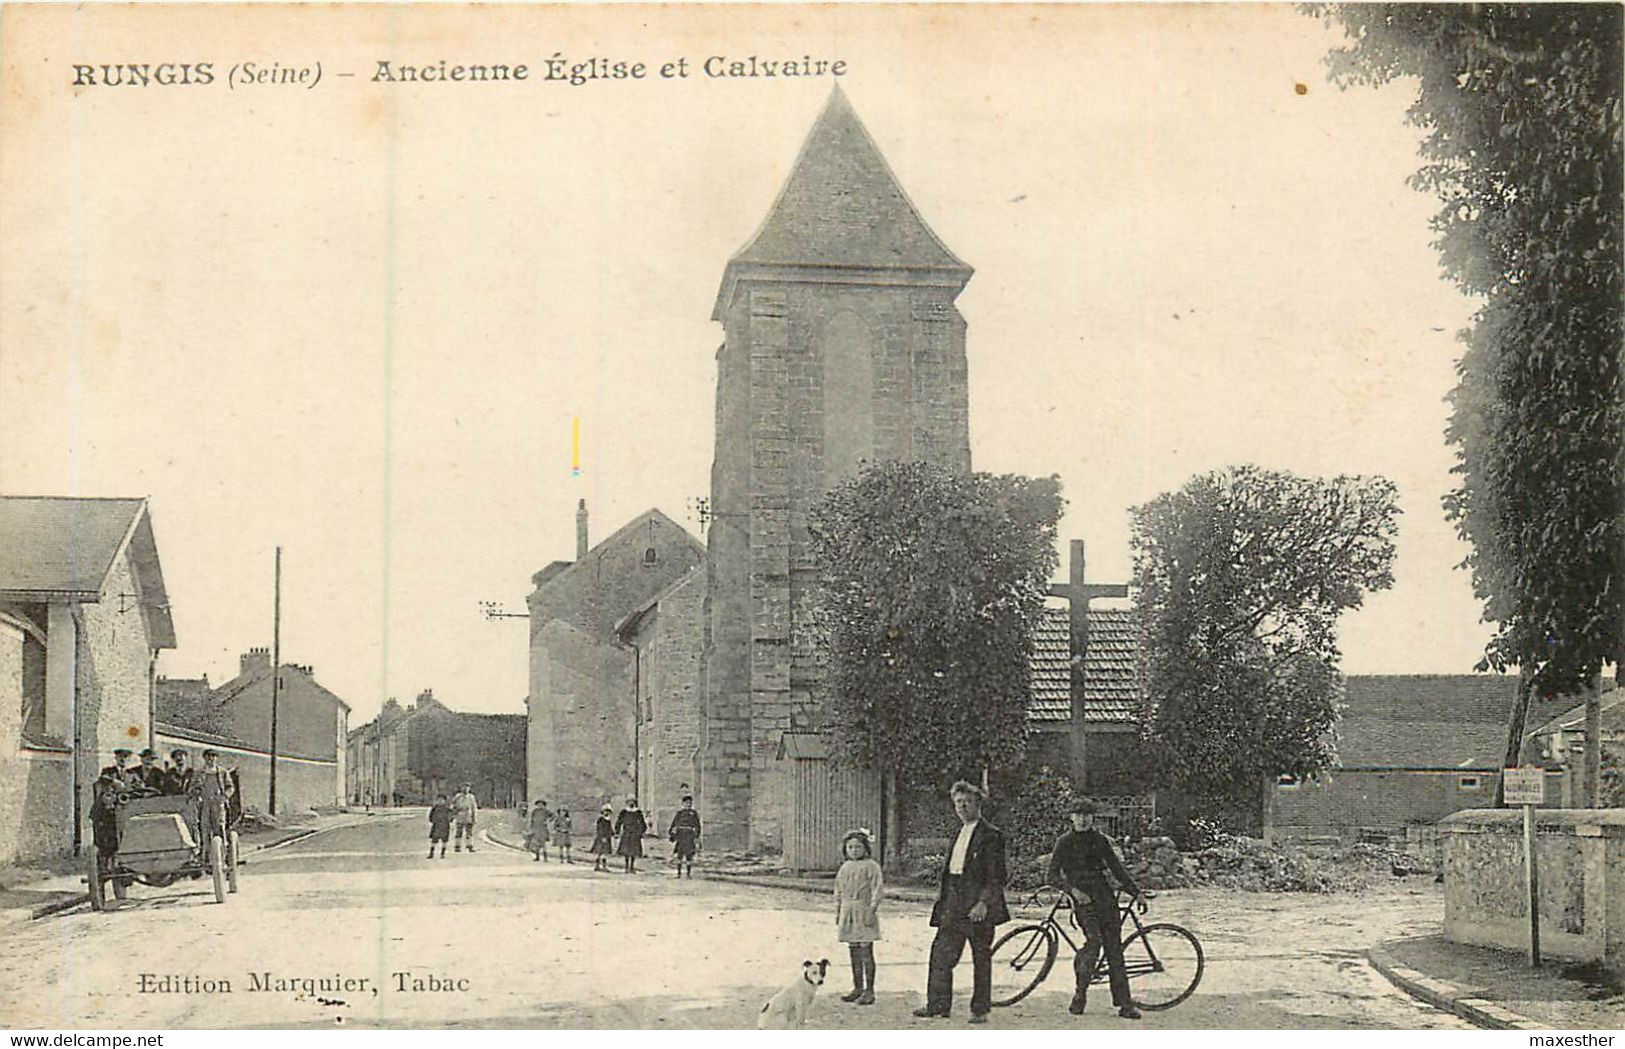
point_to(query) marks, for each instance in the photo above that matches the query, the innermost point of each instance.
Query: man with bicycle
(1078, 866)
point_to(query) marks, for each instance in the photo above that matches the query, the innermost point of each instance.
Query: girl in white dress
(857, 904)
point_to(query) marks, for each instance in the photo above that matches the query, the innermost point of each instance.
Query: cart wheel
(121, 888)
(217, 867)
(233, 850)
(93, 878)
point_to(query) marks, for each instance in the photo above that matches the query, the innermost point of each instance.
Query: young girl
(439, 825)
(857, 921)
(603, 840)
(561, 834)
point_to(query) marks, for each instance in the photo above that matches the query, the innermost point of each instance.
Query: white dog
(788, 1009)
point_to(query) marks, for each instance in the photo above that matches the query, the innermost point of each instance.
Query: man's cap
(609, 808)
(148, 752)
(178, 752)
(688, 797)
(122, 750)
(211, 753)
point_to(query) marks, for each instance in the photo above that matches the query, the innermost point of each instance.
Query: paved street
(541, 945)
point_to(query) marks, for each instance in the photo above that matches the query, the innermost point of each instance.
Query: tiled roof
(66, 546)
(1424, 721)
(1574, 718)
(843, 207)
(1111, 672)
(58, 548)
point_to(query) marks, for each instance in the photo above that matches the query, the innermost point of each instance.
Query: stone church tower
(842, 344)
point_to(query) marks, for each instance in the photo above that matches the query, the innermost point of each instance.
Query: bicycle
(1163, 961)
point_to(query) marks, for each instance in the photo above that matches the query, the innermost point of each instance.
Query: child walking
(439, 824)
(603, 840)
(857, 905)
(541, 821)
(561, 834)
(685, 836)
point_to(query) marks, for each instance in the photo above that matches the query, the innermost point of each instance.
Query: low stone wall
(1581, 854)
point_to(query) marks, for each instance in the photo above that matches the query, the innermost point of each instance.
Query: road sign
(1524, 786)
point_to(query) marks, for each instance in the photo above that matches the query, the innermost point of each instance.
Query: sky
(357, 320)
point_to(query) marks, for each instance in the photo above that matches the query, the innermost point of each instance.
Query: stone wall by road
(1581, 859)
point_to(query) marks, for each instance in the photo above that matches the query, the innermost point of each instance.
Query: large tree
(931, 584)
(1242, 576)
(1521, 109)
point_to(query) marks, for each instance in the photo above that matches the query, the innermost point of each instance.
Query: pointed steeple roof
(842, 207)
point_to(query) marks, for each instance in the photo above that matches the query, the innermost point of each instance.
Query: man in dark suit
(969, 905)
(149, 772)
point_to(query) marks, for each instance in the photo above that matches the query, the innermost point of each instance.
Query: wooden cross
(1078, 594)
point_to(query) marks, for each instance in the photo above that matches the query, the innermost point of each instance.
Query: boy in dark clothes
(439, 824)
(1078, 865)
(685, 832)
(603, 840)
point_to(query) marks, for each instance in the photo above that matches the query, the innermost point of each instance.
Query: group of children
(622, 836)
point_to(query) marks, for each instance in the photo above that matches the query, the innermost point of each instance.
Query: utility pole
(276, 672)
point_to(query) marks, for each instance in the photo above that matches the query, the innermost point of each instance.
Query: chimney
(255, 659)
(426, 696)
(581, 530)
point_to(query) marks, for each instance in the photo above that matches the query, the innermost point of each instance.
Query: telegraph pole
(276, 672)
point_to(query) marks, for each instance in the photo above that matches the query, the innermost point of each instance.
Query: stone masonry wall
(670, 682)
(36, 793)
(112, 684)
(773, 418)
(1581, 855)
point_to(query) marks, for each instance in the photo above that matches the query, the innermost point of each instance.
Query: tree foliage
(931, 584)
(1242, 576)
(1521, 108)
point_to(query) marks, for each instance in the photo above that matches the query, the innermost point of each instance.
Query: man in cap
(1078, 865)
(121, 772)
(178, 779)
(464, 809)
(150, 774)
(213, 787)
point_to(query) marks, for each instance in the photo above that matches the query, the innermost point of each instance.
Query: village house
(83, 617)
(406, 756)
(1559, 746)
(583, 745)
(1411, 750)
(311, 728)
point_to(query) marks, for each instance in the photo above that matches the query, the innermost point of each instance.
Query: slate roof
(1111, 674)
(1574, 719)
(842, 207)
(1424, 721)
(60, 548)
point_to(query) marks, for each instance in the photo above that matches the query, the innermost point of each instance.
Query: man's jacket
(982, 880)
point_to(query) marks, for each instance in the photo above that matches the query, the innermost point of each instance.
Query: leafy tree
(931, 584)
(1521, 105)
(1242, 576)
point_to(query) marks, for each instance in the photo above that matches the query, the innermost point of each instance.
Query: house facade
(583, 728)
(311, 728)
(83, 617)
(1412, 749)
(407, 755)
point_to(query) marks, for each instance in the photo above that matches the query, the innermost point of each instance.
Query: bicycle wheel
(1164, 964)
(1021, 959)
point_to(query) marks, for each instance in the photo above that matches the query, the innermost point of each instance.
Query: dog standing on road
(787, 1010)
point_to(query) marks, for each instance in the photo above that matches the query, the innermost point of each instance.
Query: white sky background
(357, 321)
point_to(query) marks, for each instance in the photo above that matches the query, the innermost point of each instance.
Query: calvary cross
(1078, 594)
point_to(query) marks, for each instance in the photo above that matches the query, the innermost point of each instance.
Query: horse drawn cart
(161, 839)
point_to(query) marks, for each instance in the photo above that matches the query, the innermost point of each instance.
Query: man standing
(969, 905)
(464, 809)
(214, 789)
(1078, 865)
